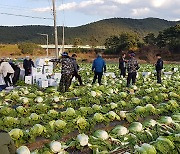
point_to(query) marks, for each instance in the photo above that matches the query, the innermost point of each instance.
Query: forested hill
(99, 30)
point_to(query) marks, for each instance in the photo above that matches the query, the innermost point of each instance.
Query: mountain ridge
(99, 30)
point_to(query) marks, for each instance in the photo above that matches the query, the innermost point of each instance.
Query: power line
(19, 15)
(19, 7)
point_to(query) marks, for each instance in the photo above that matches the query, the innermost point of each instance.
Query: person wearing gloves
(27, 65)
(98, 67)
(132, 67)
(7, 71)
(66, 72)
(159, 67)
(76, 68)
(6, 143)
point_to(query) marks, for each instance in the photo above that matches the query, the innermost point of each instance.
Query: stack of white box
(40, 72)
(43, 69)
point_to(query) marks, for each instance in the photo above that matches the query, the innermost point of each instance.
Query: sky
(73, 13)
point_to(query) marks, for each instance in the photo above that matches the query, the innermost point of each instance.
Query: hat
(133, 54)
(64, 54)
(74, 55)
(99, 55)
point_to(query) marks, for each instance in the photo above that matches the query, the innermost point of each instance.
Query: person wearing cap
(132, 67)
(66, 72)
(7, 71)
(27, 65)
(6, 143)
(76, 68)
(122, 65)
(98, 67)
(159, 67)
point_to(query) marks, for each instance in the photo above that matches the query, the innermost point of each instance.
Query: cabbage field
(105, 119)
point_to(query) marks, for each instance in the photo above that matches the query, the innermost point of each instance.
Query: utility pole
(63, 39)
(55, 28)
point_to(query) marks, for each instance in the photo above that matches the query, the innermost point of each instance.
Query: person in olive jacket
(159, 67)
(6, 143)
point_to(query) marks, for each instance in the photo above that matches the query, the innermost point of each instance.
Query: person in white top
(6, 70)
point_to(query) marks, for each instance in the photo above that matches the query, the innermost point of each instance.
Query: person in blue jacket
(98, 67)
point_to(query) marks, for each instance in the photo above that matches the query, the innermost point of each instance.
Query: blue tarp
(2, 87)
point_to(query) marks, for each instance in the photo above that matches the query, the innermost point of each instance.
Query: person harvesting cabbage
(132, 67)
(159, 67)
(98, 67)
(76, 68)
(66, 72)
(27, 65)
(6, 143)
(122, 65)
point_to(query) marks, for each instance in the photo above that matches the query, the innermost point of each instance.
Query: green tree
(28, 48)
(150, 39)
(161, 40)
(170, 38)
(125, 41)
(93, 42)
(112, 44)
(77, 41)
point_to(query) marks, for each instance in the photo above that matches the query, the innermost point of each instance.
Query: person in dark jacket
(27, 65)
(6, 143)
(16, 72)
(159, 67)
(76, 68)
(122, 65)
(98, 67)
(132, 67)
(66, 72)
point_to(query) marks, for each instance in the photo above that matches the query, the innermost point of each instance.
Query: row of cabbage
(27, 113)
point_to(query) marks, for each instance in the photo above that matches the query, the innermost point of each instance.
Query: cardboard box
(168, 73)
(28, 79)
(42, 83)
(52, 82)
(48, 70)
(37, 70)
(22, 74)
(40, 77)
(175, 69)
(2, 80)
(47, 62)
(40, 62)
(145, 74)
(111, 74)
(57, 77)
